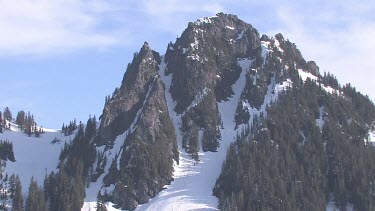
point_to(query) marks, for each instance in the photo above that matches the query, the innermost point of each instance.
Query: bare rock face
(203, 64)
(120, 110)
(207, 49)
(146, 164)
(312, 67)
(139, 110)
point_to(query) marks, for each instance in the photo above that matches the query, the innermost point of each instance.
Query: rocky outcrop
(138, 110)
(206, 50)
(203, 63)
(146, 164)
(276, 62)
(121, 109)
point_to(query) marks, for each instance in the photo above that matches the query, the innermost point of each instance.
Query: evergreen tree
(36, 199)
(7, 114)
(1, 123)
(100, 203)
(17, 201)
(288, 163)
(12, 185)
(6, 151)
(21, 119)
(37, 131)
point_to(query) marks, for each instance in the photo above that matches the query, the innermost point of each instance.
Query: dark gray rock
(312, 68)
(146, 164)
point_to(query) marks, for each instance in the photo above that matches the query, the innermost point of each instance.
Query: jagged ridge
(211, 55)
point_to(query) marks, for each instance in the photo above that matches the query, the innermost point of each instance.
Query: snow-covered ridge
(206, 20)
(35, 157)
(307, 75)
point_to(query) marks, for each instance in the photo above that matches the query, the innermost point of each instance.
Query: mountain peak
(146, 47)
(223, 20)
(222, 100)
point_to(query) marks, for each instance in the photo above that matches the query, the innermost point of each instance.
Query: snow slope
(192, 187)
(193, 184)
(34, 156)
(305, 75)
(371, 136)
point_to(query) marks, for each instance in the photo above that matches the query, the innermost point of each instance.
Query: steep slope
(192, 188)
(203, 62)
(221, 85)
(136, 141)
(34, 157)
(308, 151)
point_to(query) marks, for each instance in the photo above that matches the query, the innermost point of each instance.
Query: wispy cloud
(338, 35)
(172, 16)
(44, 27)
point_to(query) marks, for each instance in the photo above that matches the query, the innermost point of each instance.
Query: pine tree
(36, 131)
(7, 114)
(29, 131)
(6, 151)
(100, 204)
(21, 119)
(12, 185)
(36, 199)
(1, 122)
(17, 198)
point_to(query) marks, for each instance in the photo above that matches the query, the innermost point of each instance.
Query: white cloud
(45, 27)
(167, 8)
(340, 37)
(173, 16)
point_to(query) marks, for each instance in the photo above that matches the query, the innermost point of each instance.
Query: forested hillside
(309, 148)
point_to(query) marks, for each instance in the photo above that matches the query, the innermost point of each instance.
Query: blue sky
(60, 58)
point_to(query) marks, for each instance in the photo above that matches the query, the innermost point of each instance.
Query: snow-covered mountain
(177, 133)
(217, 77)
(34, 156)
